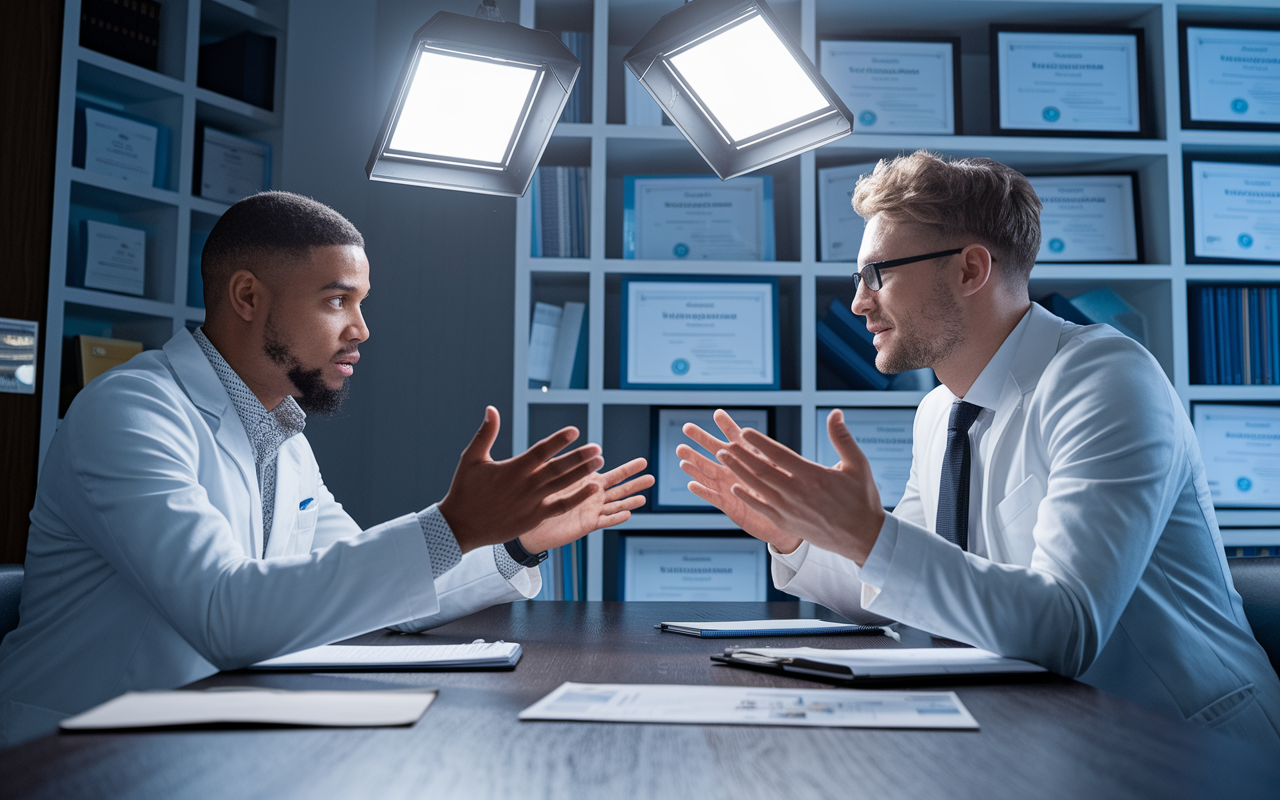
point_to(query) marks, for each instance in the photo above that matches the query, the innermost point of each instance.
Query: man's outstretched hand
(611, 504)
(490, 502)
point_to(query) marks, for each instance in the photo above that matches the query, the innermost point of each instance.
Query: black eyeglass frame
(876, 266)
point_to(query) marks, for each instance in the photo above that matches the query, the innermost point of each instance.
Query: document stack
(561, 201)
(558, 346)
(578, 108)
(1235, 335)
(845, 346)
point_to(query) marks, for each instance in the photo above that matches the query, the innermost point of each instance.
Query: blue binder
(845, 361)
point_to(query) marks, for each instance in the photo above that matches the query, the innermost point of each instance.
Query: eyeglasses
(871, 272)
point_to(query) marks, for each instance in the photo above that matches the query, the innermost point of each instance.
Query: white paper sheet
(476, 654)
(250, 705)
(742, 705)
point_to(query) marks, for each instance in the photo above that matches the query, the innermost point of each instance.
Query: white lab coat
(1104, 557)
(141, 568)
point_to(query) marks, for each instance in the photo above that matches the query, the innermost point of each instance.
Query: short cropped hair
(267, 230)
(963, 197)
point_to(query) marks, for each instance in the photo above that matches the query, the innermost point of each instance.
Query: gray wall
(442, 265)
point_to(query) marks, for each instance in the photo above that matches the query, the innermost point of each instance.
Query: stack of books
(1234, 335)
(129, 31)
(561, 199)
(578, 109)
(845, 346)
(558, 346)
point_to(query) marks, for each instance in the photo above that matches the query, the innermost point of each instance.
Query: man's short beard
(314, 395)
(913, 350)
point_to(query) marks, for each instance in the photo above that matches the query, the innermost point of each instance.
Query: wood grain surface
(1045, 739)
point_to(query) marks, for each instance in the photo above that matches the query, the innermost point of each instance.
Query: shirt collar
(986, 390)
(262, 426)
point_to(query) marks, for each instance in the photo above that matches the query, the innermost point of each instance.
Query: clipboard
(1002, 670)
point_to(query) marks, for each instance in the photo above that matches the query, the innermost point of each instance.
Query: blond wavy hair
(961, 198)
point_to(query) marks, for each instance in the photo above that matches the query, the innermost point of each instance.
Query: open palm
(611, 503)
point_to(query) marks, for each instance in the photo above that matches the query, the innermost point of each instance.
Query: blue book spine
(845, 362)
(1237, 340)
(1223, 329)
(1061, 306)
(853, 329)
(1255, 335)
(1274, 332)
(1208, 332)
(578, 378)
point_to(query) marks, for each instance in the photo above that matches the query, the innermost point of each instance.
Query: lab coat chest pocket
(298, 502)
(1016, 518)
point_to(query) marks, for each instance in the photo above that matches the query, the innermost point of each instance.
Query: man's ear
(248, 295)
(975, 269)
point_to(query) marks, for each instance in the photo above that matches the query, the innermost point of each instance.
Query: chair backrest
(10, 595)
(1257, 579)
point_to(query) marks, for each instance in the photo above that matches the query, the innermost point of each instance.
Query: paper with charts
(744, 705)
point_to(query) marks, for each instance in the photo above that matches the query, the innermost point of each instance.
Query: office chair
(10, 594)
(1258, 582)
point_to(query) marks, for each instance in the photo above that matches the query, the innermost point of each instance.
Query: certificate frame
(1200, 405)
(705, 540)
(633, 213)
(1135, 208)
(1187, 74)
(1191, 203)
(1143, 103)
(632, 282)
(957, 120)
(664, 460)
(824, 457)
(222, 137)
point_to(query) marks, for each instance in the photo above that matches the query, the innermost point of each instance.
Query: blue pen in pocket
(305, 503)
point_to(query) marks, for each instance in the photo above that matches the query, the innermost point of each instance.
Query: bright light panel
(748, 79)
(462, 108)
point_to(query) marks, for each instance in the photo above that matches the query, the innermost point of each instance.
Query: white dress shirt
(1100, 552)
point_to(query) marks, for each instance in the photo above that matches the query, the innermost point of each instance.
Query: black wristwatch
(523, 557)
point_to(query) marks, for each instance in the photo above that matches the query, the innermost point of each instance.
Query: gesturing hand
(712, 482)
(611, 504)
(490, 502)
(836, 508)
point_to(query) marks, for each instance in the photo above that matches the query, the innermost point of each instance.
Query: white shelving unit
(170, 214)
(618, 419)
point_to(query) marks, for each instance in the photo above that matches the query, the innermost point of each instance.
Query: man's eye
(337, 302)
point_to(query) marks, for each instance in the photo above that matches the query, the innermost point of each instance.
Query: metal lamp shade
(459, 71)
(656, 62)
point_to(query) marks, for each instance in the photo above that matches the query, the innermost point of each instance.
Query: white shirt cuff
(876, 568)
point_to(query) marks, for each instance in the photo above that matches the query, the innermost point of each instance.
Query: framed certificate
(1240, 444)
(896, 85)
(1234, 210)
(19, 339)
(839, 228)
(230, 167)
(1088, 219)
(121, 147)
(1068, 81)
(885, 436)
(1230, 76)
(684, 568)
(699, 332)
(115, 258)
(671, 487)
(698, 218)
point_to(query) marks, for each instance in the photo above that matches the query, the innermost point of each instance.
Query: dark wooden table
(1046, 739)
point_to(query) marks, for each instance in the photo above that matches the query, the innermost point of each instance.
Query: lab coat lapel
(1038, 346)
(196, 376)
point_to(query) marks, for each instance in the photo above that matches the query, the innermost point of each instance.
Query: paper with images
(743, 705)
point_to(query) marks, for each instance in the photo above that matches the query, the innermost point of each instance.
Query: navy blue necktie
(953, 492)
